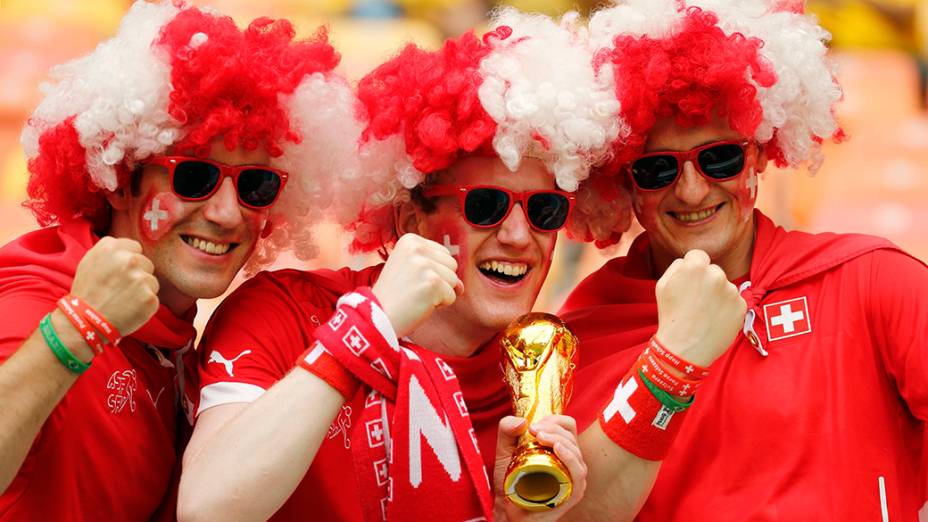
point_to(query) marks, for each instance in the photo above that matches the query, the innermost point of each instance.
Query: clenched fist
(118, 281)
(699, 311)
(419, 277)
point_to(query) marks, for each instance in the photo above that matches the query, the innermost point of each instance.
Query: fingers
(559, 432)
(510, 428)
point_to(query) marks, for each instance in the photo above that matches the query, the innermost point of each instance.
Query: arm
(117, 281)
(239, 448)
(699, 315)
(270, 441)
(898, 316)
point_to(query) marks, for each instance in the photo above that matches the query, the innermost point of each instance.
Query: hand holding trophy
(538, 358)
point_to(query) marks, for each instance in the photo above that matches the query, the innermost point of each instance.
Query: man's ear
(407, 218)
(118, 199)
(762, 158)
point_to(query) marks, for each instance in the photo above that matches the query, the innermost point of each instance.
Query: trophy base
(537, 483)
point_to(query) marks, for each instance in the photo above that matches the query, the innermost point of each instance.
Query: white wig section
(119, 94)
(540, 87)
(799, 107)
(321, 109)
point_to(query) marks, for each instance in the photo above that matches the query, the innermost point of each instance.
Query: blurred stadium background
(876, 182)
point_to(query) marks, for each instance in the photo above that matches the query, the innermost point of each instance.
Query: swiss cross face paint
(450, 233)
(160, 212)
(746, 193)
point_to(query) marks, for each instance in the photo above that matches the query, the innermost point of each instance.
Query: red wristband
(98, 321)
(317, 361)
(685, 367)
(637, 421)
(660, 375)
(90, 336)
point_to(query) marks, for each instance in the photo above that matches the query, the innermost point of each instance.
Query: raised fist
(419, 277)
(118, 282)
(699, 311)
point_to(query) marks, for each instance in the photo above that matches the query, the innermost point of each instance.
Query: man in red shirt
(129, 153)
(393, 408)
(817, 411)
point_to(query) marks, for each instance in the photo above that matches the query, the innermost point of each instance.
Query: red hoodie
(108, 450)
(828, 426)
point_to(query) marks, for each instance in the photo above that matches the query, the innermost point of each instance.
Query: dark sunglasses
(196, 179)
(487, 206)
(716, 161)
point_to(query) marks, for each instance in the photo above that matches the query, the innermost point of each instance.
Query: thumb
(510, 428)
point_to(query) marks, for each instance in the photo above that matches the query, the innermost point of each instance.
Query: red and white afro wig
(760, 64)
(178, 77)
(526, 88)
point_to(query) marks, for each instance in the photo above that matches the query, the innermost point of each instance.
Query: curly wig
(526, 88)
(759, 64)
(180, 77)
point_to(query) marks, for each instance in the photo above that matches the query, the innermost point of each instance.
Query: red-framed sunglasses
(486, 206)
(716, 161)
(196, 179)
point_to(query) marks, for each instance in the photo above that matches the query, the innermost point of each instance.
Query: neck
(447, 333)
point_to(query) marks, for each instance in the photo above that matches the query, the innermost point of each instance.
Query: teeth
(207, 246)
(689, 217)
(509, 269)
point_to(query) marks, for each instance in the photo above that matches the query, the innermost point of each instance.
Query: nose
(222, 207)
(515, 230)
(692, 187)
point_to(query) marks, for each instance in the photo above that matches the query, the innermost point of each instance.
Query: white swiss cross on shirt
(787, 318)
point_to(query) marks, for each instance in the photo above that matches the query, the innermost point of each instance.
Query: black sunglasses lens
(486, 206)
(654, 172)
(258, 187)
(548, 211)
(195, 179)
(722, 161)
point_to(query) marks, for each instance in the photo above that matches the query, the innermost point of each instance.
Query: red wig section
(431, 99)
(61, 163)
(229, 84)
(696, 73)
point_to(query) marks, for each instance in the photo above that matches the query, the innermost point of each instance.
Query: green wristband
(665, 398)
(59, 349)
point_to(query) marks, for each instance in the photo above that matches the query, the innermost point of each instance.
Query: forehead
(482, 170)
(668, 135)
(237, 156)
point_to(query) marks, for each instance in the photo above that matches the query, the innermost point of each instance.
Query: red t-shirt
(254, 339)
(108, 450)
(829, 426)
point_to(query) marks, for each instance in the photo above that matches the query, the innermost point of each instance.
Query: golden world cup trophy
(538, 363)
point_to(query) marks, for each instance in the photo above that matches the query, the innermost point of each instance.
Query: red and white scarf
(416, 454)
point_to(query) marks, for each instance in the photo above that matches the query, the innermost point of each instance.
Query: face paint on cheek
(746, 194)
(160, 213)
(450, 235)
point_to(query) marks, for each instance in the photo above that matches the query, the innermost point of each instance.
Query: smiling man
(156, 176)
(817, 411)
(376, 394)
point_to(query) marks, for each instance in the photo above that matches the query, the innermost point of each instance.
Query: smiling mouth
(699, 215)
(506, 273)
(208, 247)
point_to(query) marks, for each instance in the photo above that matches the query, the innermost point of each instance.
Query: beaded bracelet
(68, 359)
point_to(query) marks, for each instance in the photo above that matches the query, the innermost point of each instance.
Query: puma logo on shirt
(216, 357)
